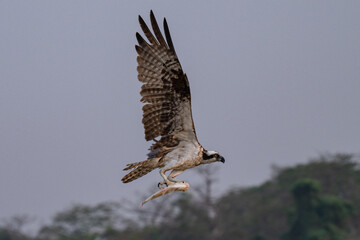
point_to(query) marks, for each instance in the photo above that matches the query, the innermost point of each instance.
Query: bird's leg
(166, 180)
(173, 174)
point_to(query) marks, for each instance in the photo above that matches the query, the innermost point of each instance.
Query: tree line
(319, 200)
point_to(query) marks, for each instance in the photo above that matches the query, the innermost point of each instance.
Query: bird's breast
(183, 157)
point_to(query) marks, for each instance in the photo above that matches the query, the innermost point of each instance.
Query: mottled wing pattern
(165, 89)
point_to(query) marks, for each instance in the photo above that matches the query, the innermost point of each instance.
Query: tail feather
(132, 165)
(140, 169)
(135, 174)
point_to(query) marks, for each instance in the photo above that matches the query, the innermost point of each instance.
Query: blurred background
(274, 85)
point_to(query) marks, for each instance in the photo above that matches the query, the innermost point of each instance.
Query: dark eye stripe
(205, 156)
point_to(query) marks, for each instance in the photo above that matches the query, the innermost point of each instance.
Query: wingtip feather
(139, 38)
(168, 36)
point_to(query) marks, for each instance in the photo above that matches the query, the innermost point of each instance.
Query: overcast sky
(272, 82)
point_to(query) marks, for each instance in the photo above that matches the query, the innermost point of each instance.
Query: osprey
(167, 112)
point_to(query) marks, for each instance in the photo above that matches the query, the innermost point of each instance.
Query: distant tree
(82, 222)
(13, 228)
(316, 217)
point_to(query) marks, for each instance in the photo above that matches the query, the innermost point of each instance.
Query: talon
(160, 184)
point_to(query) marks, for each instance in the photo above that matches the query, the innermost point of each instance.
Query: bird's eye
(216, 155)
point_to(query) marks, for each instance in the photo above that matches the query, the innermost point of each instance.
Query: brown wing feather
(165, 90)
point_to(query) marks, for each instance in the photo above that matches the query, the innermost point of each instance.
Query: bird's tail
(140, 169)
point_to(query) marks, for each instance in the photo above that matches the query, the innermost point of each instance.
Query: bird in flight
(167, 112)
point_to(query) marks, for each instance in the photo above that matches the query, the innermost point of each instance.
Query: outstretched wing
(165, 89)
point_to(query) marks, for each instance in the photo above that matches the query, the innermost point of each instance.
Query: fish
(178, 186)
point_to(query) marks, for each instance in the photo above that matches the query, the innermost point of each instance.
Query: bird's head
(211, 156)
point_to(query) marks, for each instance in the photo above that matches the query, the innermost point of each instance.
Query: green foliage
(333, 209)
(305, 188)
(305, 192)
(317, 217)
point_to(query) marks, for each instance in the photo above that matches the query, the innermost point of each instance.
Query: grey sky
(272, 82)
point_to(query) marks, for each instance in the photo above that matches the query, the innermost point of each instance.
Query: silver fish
(178, 186)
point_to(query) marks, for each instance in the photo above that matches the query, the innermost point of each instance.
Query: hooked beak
(221, 159)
